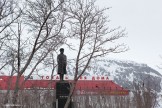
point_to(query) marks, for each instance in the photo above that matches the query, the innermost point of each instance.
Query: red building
(94, 86)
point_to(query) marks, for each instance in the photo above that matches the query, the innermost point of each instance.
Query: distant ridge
(124, 73)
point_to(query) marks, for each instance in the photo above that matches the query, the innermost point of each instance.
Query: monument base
(62, 93)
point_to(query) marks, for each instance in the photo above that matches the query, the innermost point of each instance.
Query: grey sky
(142, 20)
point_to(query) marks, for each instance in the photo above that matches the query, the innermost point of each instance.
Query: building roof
(106, 87)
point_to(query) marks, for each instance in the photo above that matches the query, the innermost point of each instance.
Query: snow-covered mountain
(125, 73)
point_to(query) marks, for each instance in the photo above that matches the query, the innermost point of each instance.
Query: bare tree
(144, 95)
(44, 21)
(9, 13)
(88, 26)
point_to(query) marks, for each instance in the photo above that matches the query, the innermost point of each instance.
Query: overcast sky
(143, 22)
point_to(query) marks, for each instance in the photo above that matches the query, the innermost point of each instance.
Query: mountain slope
(125, 73)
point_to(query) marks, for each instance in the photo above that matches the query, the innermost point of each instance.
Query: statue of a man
(62, 62)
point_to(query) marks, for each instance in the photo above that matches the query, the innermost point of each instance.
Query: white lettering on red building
(56, 77)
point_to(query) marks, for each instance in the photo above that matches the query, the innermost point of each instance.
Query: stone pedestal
(62, 93)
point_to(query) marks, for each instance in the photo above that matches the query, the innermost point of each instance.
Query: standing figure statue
(62, 62)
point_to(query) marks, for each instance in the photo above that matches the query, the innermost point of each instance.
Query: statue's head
(61, 50)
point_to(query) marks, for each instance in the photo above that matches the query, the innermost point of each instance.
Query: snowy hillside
(125, 73)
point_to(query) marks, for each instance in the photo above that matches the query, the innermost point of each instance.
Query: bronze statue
(62, 62)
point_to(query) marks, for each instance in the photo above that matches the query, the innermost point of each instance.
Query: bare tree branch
(89, 26)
